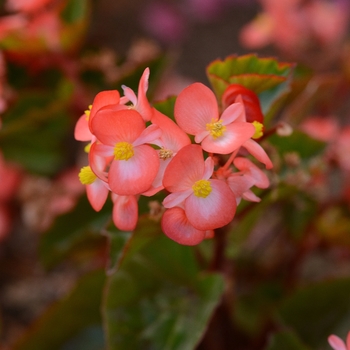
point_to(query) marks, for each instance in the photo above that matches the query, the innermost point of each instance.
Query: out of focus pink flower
(319, 128)
(293, 25)
(338, 344)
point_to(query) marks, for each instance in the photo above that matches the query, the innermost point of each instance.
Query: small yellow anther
(123, 151)
(86, 176)
(201, 188)
(165, 153)
(258, 130)
(216, 128)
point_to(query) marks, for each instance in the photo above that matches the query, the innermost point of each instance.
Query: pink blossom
(207, 203)
(125, 212)
(196, 112)
(123, 137)
(338, 344)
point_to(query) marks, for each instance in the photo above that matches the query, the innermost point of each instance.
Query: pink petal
(336, 343)
(125, 212)
(245, 165)
(111, 127)
(235, 135)
(82, 131)
(129, 94)
(172, 138)
(348, 341)
(184, 169)
(258, 152)
(234, 112)
(148, 135)
(177, 227)
(176, 199)
(216, 210)
(97, 194)
(134, 176)
(104, 99)
(143, 106)
(195, 107)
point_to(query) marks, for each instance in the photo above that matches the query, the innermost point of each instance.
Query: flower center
(216, 128)
(123, 151)
(258, 130)
(165, 153)
(86, 176)
(202, 188)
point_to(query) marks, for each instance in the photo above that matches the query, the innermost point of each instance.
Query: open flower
(207, 203)
(197, 113)
(123, 137)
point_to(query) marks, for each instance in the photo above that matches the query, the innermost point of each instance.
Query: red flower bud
(250, 100)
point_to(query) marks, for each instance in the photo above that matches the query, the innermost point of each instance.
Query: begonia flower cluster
(134, 150)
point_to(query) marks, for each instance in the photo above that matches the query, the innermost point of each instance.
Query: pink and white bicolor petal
(216, 210)
(235, 135)
(97, 194)
(125, 212)
(135, 175)
(258, 152)
(233, 113)
(195, 107)
(111, 127)
(336, 343)
(177, 227)
(184, 169)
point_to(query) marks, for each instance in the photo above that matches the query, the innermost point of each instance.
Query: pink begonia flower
(125, 212)
(248, 175)
(170, 142)
(320, 128)
(196, 112)
(338, 344)
(291, 25)
(208, 203)
(124, 137)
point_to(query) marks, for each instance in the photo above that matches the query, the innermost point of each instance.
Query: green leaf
(285, 340)
(298, 142)
(166, 107)
(158, 298)
(265, 76)
(79, 228)
(316, 311)
(70, 317)
(34, 132)
(75, 10)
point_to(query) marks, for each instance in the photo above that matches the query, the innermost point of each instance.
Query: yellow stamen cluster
(165, 153)
(258, 130)
(123, 151)
(202, 188)
(86, 176)
(216, 128)
(87, 112)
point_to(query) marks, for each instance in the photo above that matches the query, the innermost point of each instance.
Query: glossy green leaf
(158, 298)
(79, 228)
(285, 340)
(316, 311)
(70, 318)
(258, 74)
